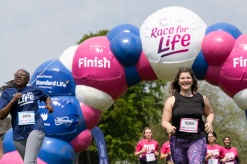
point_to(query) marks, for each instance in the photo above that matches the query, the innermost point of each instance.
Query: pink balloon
(94, 65)
(144, 69)
(91, 115)
(233, 76)
(15, 158)
(82, 141)
(217, 46)
(242, 39)
(213, 74)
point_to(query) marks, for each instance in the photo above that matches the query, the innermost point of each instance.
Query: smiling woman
(20, 101)
(184, 109)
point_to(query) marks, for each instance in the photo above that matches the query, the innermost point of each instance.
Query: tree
(122, 124)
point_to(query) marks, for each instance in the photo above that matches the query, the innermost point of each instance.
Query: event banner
(100, 140)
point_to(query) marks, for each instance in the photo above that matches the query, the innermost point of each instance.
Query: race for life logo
(26, 99)
(163, 22)
(230, 156)
(215, 152)
(63, 120)
(172, 38)
(149, 148)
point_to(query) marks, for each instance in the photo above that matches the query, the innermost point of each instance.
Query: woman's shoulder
(9, 91)
(166, 144)
(155, 142)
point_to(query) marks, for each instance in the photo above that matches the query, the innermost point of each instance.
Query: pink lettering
(185, 40)
(164, 32)
(175, 41)
(171, 30)
(153, 32)
(159, 33)
(178, 28)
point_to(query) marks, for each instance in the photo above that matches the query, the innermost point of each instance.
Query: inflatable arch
(87, 78)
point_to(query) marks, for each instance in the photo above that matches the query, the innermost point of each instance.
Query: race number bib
(213, 161)
(229, 163)
(26, 118)
(189, 125)
(150, 157)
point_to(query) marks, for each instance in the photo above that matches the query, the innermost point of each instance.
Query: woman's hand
(143, 150)
(156, 153)
(223, 160)
(171, 129)
(50, 108)
(16, 97)
(210, 154)
(208, 128)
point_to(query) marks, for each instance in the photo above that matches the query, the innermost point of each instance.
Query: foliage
(98, 33)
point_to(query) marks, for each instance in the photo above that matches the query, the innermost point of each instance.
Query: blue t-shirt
(27, 102)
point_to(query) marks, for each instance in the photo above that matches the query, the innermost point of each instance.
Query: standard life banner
(100, 140)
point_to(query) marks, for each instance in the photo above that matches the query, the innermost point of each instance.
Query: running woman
(230, 153)
(185, 109)
(165, 152)
(147, 149)
(214, 151)
(20, 101)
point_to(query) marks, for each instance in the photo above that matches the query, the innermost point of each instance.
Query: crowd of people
(191, 140)
(148, 151)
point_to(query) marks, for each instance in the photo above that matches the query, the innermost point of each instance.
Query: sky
(33, 32)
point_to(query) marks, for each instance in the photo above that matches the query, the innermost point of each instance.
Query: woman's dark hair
(215, 135)
(225, 138)
(174, 87)
(11, 83)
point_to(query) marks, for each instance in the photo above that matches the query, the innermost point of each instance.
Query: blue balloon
(233, 30)
(123, 28)
(57, 151)
(67, 120)
(132, 76)
(8, 144)
(200, 67)
(127, 48)
(56, 80)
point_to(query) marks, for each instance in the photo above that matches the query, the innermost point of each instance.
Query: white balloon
(172, 38)
(67, 57)
(94, 98)
(240, 99)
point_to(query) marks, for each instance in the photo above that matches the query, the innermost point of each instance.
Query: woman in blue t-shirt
(20, 101)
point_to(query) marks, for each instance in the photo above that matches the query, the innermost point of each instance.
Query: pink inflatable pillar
(82, 141)
(91, 115)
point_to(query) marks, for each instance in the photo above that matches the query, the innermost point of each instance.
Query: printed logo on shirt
(26, 99)
(44, 116)
(149, 148)
(63, 120)
(215, 152)
(230, 156)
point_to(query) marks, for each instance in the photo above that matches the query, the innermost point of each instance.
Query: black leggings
(152, 162)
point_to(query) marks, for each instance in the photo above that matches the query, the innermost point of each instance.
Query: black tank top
(188, 107)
